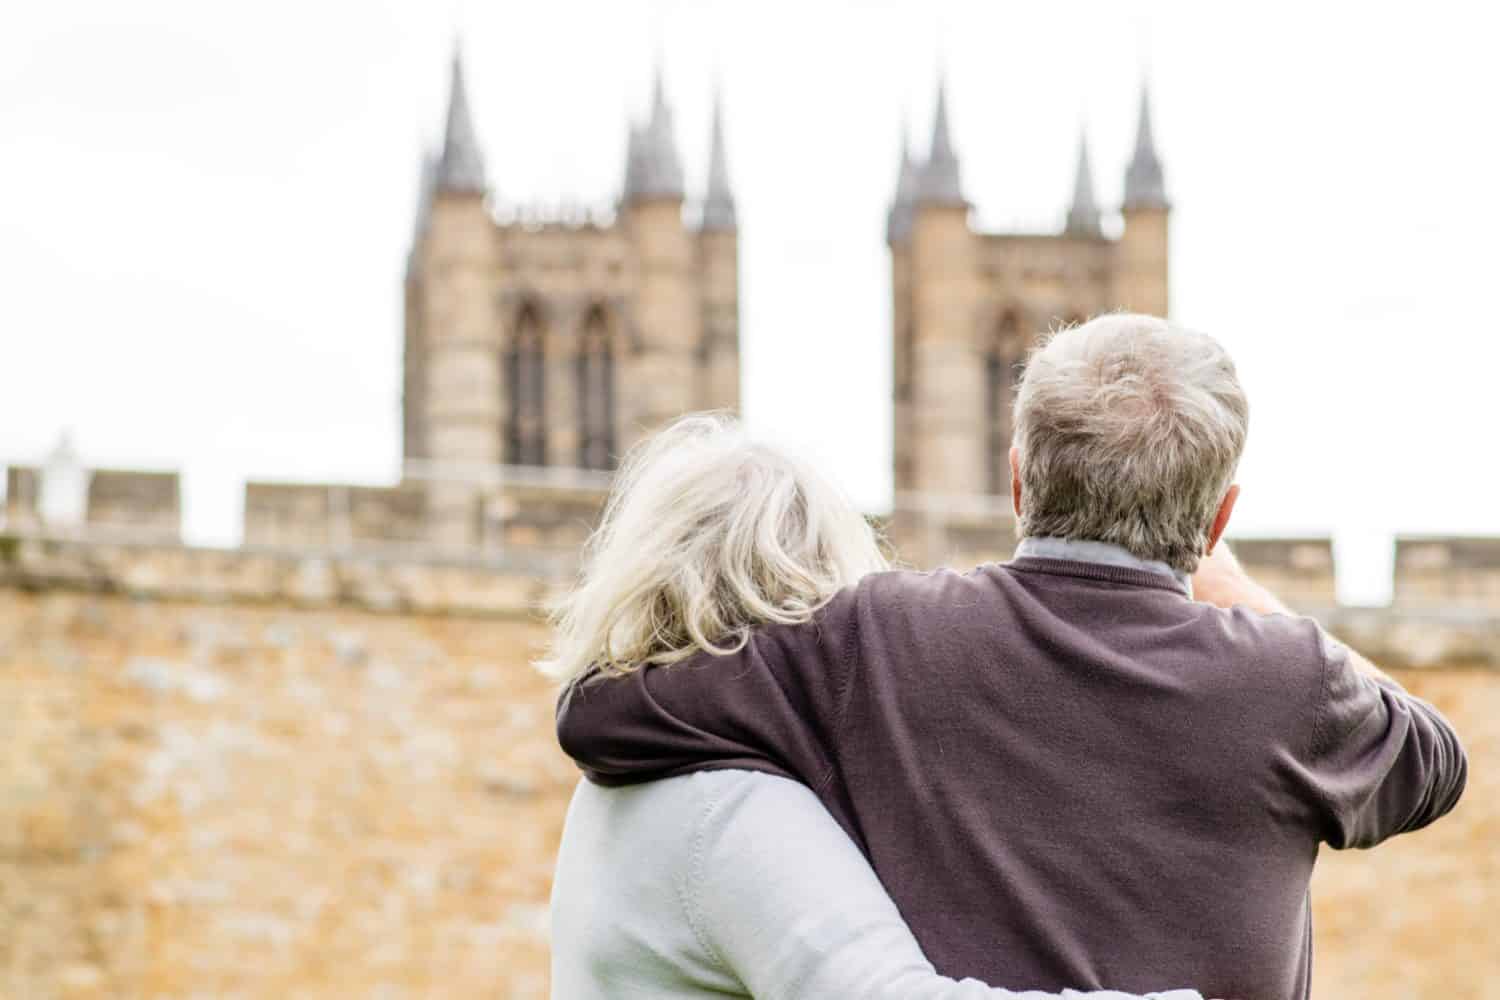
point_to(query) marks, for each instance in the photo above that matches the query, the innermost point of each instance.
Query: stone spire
(718, 203)
(426, 179)
(632, 159)
(1083, 214)
(939, 182)
(652, 167)
(1144, 185)
(460, 168)
(898, 219)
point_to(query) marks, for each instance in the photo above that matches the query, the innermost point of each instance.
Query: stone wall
(542, 517)
(140, 504)
(263, 801)
(1449, 572)
(529, 513)
(333, 515)
(222, 778)
(1414, 919)
(1298, 570)
(510, 586)
(148, 503)
(925, 531)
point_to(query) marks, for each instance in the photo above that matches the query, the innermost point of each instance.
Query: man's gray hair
(1129, 431)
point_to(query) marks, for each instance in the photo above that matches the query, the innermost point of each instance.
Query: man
(1065, 769)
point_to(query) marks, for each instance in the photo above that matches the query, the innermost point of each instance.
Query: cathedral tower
(718, 279)
(944, 294)
(967, 305)
(454, 394)
(662, 377)
(1141, 278)
(556, 338)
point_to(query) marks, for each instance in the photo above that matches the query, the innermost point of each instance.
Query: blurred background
(325, 322)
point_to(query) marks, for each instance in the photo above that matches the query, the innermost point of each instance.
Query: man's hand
(1223, 582)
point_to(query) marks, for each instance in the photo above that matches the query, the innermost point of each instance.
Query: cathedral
(538, 347)
(559, 342)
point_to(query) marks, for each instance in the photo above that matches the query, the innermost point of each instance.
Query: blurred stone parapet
(1299, 570)
(498, 511)
(1448, 571)
(520, 583)
(145, 502)
(390, 579)
(331, 515)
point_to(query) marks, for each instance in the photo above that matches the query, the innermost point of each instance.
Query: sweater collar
(1100, 553)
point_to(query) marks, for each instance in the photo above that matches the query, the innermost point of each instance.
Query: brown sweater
(1066, 774)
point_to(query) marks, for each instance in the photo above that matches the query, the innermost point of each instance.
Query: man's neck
(1106, 553)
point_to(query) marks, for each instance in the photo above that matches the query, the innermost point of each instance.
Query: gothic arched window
(1003, 353)
(596, 393)
(906, 361)
(526, 389)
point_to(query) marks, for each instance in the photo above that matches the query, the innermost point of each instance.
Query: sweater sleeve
(1382, 761)
(772, 706)
(780, 898)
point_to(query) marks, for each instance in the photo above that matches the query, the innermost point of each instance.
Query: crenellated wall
(1298, 570)
(264, 773)
(329, 514)
(1454, 572)
(141, 503)
(527, 513)
(515, 585)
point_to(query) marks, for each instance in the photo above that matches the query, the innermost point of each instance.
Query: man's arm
(785, 902)
(1379, 761)
(772, 706)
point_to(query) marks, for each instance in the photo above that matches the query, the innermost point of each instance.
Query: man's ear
(1015, 479)
(1221, 519)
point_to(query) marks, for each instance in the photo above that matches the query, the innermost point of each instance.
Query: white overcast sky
(204, 209)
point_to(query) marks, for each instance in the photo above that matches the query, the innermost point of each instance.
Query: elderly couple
(1106, 765)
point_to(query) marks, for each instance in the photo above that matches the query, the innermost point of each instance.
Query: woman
(727, 882)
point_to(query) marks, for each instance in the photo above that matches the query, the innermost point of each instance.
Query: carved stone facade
(968, 305)
(560, 342)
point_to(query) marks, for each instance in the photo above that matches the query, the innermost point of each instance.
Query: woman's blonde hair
(705, 534)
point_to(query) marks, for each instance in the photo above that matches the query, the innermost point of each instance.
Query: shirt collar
(1108, 553)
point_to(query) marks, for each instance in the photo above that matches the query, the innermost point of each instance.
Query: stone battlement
(562, 214)
(1448, 571)
(546, 513)
(518, 584)
(1298, 570)
(332, 515)
(145, 503)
